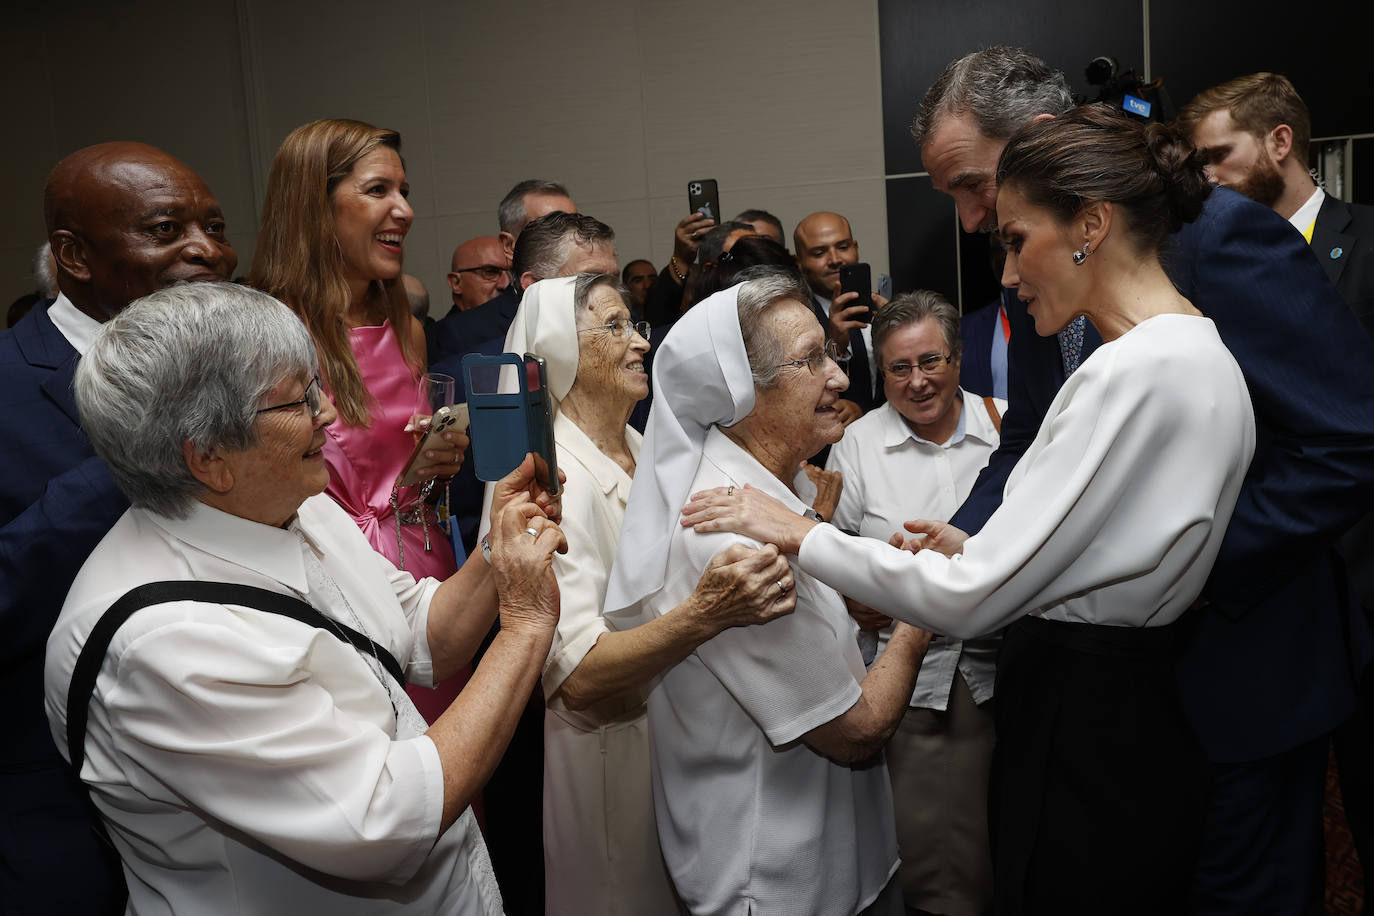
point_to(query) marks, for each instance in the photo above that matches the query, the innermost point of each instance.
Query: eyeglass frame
(814, 361)
(939, 364)
(316, 404)
(620, 325)
(484, 267)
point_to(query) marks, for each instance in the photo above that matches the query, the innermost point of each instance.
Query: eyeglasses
(813, 362)
(931, 365)
(486, 271)
(314, 399)
(620, 326)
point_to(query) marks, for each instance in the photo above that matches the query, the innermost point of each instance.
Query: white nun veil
(701, 379)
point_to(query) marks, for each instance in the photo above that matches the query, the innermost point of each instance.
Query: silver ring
(730, 491)
(532, 533)
(782, 588)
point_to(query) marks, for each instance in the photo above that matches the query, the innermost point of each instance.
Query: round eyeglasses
(813, 362)
(620, 327)
(931, 365)
(314, 399)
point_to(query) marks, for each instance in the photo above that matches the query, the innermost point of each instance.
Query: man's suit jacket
(975, 361)
(57, 500)
(461, 332)
(1343, 240)
(1272, 662)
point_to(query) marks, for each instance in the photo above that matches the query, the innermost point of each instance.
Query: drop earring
(1081, 255)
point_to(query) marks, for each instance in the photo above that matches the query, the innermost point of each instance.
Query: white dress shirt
(1112, 516)
(891, 476)
(247, 762)
(78, 327)
(751, 820)
(1305, 217)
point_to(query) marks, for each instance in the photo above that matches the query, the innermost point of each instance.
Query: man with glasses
(480, 270)
(124, 220)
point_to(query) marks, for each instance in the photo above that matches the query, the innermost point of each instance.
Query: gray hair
(910, 308)
(1002, 88)
(42, 271)
(189, 363)
(545, 245)
(511, 215)
(582, 292)
(763, 288)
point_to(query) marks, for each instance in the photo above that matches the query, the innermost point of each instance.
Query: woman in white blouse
(601, 847)
(1108, 529)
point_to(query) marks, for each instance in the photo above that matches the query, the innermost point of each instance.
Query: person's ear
(1279, 143)
(69, 253)
(1096, 219)
(209, 468)
(507, 244)
(455, 283)
(1043, 116)
(527, 279)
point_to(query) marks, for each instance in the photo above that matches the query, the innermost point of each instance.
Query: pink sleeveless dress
(363, 463)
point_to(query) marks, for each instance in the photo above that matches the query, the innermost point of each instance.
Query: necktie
(1071, 344)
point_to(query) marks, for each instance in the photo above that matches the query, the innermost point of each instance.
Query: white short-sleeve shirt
(245, 761)
(892, 476)
(751, 820)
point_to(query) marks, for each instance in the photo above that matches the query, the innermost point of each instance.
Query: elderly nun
(769, 785)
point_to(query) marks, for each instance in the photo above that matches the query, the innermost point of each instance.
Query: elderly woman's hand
(747, 511)
(524, 481)
(745, 585)
(829, 485)
(523, 542)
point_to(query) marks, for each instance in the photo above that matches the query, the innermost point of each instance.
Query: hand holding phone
(858, 278)
(445, 419)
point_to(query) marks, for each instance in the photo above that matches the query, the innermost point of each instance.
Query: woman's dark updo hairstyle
(1093, 153)
(748, 251)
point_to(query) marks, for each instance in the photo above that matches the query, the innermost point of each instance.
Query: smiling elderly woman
(245, 760)
(601, 849)
(768, 784)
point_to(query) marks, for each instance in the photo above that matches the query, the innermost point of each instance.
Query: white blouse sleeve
(1132, 467)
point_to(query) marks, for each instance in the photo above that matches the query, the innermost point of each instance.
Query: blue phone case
(506, 427)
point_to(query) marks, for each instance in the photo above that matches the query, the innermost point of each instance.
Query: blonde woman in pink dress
(333, 231)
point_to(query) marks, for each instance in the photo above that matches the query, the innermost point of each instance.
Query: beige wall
(622, 100)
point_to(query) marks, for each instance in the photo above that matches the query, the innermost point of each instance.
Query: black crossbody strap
(98, 643)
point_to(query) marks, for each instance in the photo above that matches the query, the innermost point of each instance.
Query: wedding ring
(781, 588)
(730, 491)
(532, 533)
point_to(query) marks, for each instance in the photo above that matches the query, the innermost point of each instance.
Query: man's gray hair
(42, 271)
(1002, 88)
(908, 309)
(546, 244)
(763, 288)
(511, 215)
(189, 363)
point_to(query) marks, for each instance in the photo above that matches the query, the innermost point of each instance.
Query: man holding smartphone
(824, 244)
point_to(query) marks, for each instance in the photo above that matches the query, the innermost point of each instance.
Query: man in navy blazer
(124, 220)
(1270, 664)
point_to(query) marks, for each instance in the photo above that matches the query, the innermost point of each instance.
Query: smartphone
(508, 425)
(857, 278)
(702, 196)
(445, 418)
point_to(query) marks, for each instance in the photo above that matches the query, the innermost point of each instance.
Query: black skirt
(1098, 783)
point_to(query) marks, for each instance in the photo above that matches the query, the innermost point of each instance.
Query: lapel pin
(1336, 253)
